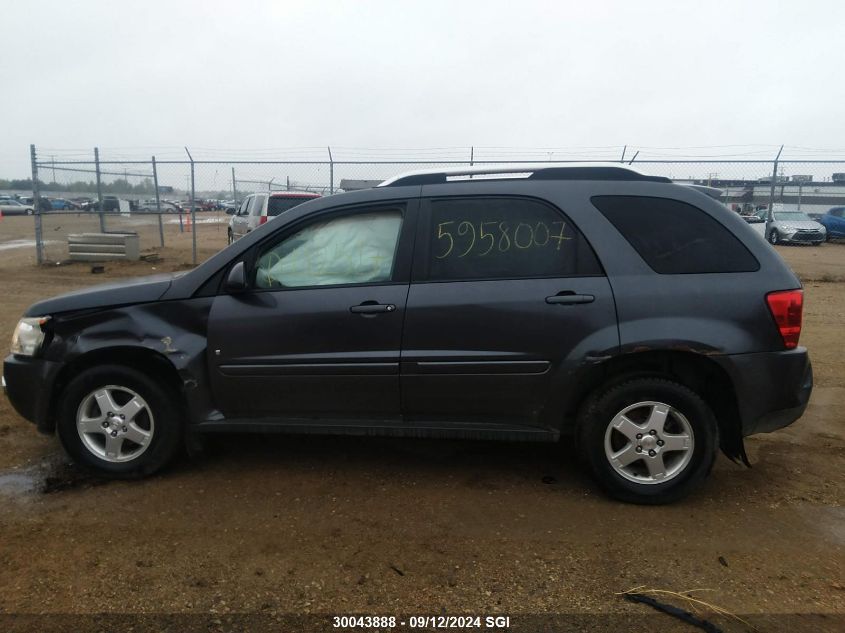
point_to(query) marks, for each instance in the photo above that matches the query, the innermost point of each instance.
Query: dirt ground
(265, 527)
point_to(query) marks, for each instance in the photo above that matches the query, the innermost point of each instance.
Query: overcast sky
(142, 77)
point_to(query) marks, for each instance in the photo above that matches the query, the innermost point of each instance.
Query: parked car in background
(111, 204)
(791, 227)
(834, 222)
(13, 207)
(553, 307)
(62, 204)
(150, 206)
(257, 208)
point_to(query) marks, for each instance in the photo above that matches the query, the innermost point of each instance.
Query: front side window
(351, 249)
(504, 238)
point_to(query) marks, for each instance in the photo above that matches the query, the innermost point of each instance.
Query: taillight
(787, 307)
(262, 220)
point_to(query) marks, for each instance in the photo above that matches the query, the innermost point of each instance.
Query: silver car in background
(791, 227)
(258, 208)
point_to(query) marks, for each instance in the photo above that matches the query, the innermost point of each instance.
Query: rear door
(507, 300)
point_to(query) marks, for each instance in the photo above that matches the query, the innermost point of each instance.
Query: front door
(318, 333)
(508, 299)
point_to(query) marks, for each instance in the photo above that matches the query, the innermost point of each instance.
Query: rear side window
(280, 205)
(674, 237)
(504, 238)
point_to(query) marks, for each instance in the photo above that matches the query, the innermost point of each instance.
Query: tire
(231, 238)
(159, 419)
(603, 433)
(774, 237)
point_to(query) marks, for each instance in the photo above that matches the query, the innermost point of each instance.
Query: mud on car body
(636, 320)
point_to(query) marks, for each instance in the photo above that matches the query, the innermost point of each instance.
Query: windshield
(278, 205)
(795, 216)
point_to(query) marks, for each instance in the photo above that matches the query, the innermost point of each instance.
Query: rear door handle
(568, 297)
(371, 307)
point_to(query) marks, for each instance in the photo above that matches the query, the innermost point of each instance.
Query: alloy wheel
(649, 442)
(115, 423)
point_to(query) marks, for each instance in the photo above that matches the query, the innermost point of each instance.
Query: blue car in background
(834, 222)
(62, 204)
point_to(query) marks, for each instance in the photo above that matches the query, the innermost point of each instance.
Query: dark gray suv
(636, 318)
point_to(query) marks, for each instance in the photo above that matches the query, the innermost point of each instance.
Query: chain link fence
(180, 207)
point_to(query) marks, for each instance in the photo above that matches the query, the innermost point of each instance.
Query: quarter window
(674, 237)
(504, 238)
(352, 249)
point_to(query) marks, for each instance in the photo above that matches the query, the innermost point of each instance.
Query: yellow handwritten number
(441, 234)
(463, 228)
(503, 227)
(486, 235)
(530, 236)
(560, 237)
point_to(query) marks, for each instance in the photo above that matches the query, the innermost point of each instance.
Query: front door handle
(371, 307)
(568, 297)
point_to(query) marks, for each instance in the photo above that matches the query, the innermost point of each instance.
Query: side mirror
(230, 211)
(236, 281)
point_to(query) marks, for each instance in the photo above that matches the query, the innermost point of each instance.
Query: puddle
(199, 220)
(46, 478)
(832, 522)
(11, 244)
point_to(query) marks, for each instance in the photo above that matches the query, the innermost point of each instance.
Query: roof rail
(530, 171)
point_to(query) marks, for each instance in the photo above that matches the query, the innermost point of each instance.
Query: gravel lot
(263, 527)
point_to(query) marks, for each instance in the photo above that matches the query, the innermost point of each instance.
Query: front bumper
(772, 388)
(799, 237)
(28, 384)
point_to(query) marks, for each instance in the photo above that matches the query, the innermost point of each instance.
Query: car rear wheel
(774, 237)
(648, 440)
(119, 422)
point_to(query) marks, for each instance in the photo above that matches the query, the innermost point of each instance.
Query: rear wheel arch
(695, 371)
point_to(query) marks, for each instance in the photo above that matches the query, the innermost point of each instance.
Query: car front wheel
(119, 422)
(648, 440)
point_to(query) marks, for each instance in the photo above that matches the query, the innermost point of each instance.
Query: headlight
(28, 336)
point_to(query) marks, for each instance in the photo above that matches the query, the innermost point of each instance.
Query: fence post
(158, 203)
(100, 207)
(36, 195)
(331, 171)
(234, 188)
(193, 210)
(769, 216)
(472, 156)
